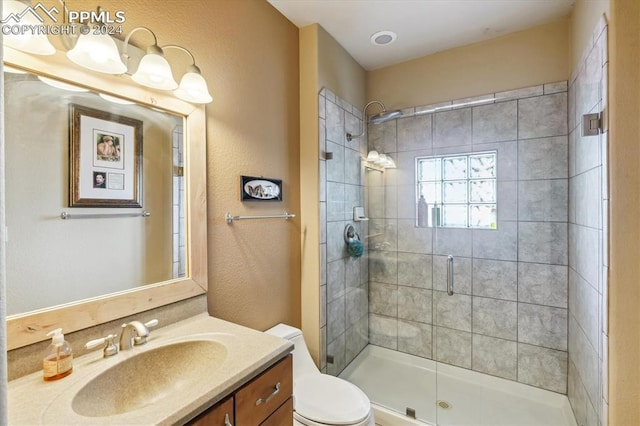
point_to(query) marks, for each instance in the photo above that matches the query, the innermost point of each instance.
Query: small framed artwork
(260, 189)
(105, 164)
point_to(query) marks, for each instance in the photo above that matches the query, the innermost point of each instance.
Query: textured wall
(624, 174)
(248, 53)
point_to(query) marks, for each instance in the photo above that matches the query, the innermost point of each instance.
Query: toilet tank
(302, 361)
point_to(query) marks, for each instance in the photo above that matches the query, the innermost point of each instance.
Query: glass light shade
(382, 159)
(97, 53)
(13, 70)
(154, 71)
(38, 44)
(373, 156)
(114, 99)
(193, 88)
(389, 163)
(62, 85)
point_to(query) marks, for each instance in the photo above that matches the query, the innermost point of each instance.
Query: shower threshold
(397, 382)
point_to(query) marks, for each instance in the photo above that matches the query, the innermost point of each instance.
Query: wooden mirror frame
(32, 327)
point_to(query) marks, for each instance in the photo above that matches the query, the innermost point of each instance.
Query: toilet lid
(327, 399)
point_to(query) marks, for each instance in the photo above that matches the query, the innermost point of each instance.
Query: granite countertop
(32, 401)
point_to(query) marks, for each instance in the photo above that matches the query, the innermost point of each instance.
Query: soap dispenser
(58, 361)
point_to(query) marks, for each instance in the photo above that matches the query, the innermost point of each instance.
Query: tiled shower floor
(396, 381)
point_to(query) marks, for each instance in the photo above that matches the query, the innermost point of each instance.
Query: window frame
(435, 217)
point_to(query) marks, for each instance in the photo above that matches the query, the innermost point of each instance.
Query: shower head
(379, 118)
(385, 116)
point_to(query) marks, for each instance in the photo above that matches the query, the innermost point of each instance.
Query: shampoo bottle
(58, 361)
(422, 212)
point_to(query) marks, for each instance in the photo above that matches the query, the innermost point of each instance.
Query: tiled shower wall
(344, 289)
(588, 250)
(508, 316)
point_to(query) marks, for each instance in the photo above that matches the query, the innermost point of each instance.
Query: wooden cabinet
(264, 401)
(220, 414)
(282, 416)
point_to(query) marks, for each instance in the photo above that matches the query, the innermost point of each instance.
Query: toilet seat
(329, 400)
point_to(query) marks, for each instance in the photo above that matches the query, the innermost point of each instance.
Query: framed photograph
(105, 164)
(260, 189)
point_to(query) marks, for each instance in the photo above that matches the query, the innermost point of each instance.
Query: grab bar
(450, 275)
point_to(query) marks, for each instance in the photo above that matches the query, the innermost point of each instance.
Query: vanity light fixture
(37, 44)
(389, 163)
(373, 156)
(153, 70)
(193, 87)
(97, 52)
(381, 160)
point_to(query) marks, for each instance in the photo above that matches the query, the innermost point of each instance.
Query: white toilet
(320, 399)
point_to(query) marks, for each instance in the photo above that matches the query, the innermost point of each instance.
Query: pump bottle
(58, 361)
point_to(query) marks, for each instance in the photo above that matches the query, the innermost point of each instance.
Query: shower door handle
(450, 275)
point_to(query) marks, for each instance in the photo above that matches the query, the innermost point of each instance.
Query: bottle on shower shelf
(422, 212)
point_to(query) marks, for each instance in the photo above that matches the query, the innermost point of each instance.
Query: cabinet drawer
(282, 417)
(216, 416)
(262, 396)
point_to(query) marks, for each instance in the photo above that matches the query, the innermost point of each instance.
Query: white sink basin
(149, 377)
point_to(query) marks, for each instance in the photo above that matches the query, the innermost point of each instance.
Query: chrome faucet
(133, 330)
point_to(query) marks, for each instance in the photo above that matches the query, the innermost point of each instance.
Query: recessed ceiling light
(382, 38)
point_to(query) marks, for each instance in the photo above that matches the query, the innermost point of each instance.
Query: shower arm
(350, 137)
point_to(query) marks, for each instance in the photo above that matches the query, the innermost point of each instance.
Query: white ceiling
(423, 26)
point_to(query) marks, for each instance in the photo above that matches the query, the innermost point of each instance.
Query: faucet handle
(141, 340)
(110, 347)
(151, 323)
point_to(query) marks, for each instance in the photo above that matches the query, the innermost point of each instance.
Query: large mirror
(74, 267)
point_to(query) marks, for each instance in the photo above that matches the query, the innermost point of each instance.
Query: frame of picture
(105, 159)
(254, 188)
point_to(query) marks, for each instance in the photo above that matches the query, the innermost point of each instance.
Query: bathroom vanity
(265, 401)
(202, 370)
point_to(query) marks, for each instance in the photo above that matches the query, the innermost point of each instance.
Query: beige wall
(526, 58)
(338, 71)
(323, 63)
(309, 188)
(248, 53)
(624, 173)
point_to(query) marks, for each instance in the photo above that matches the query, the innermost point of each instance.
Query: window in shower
(457, 191)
